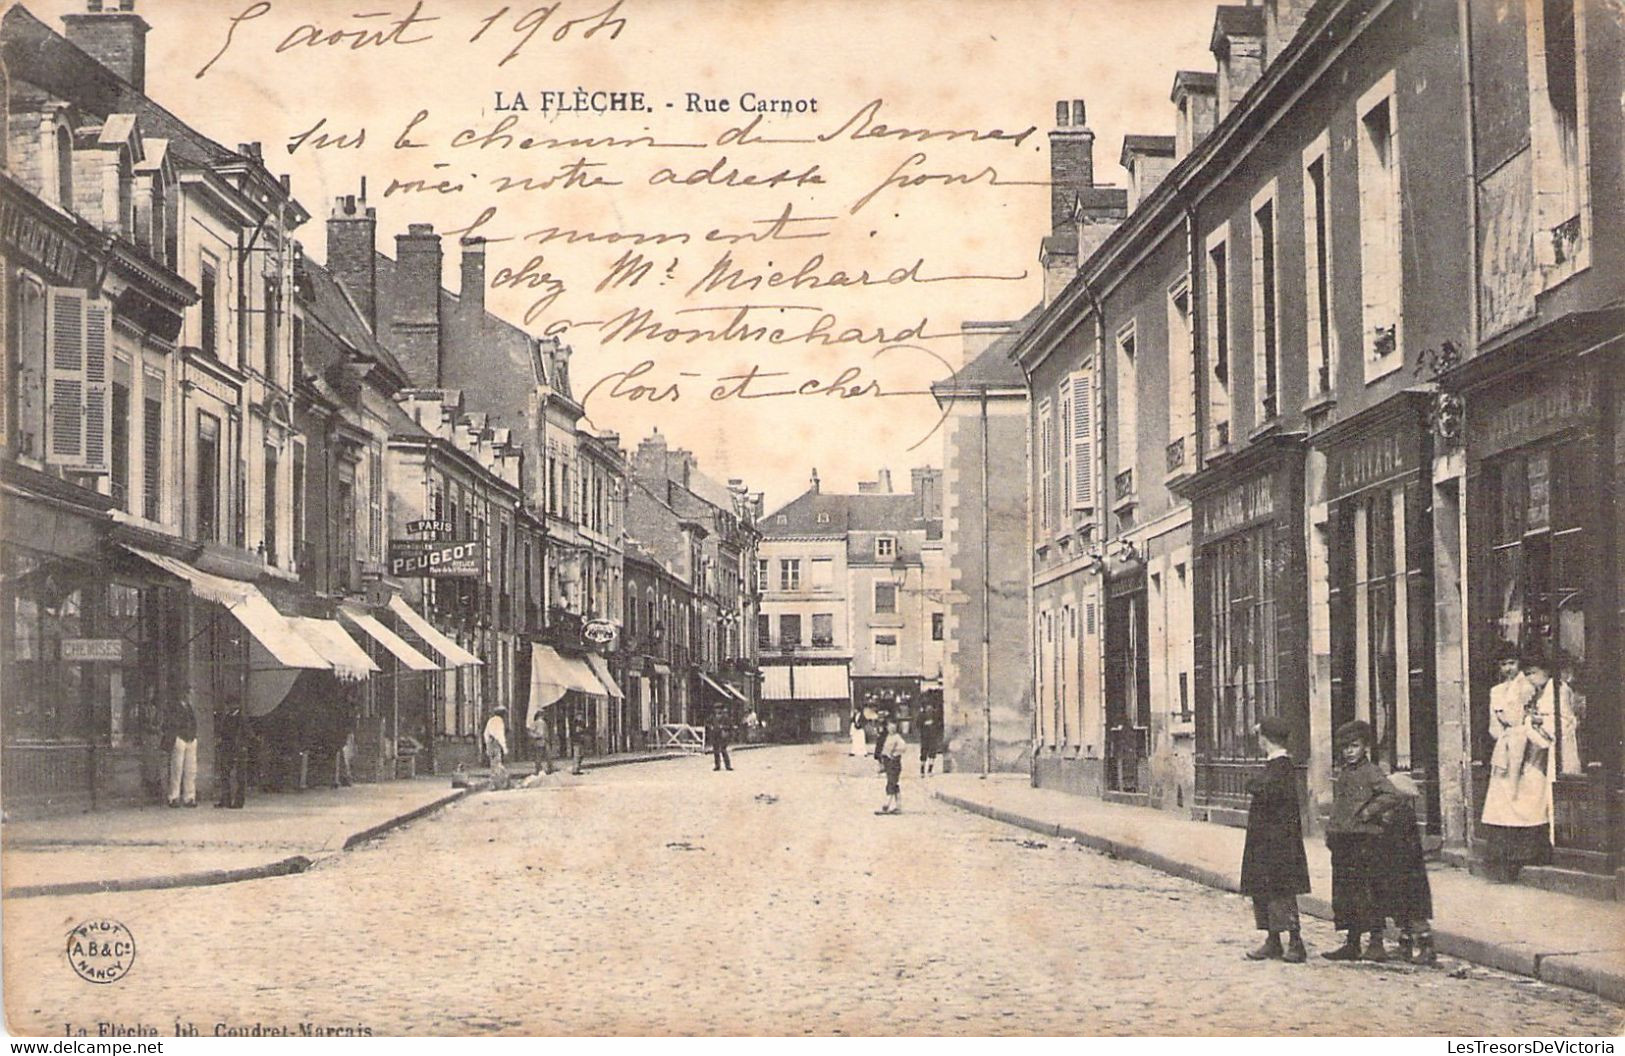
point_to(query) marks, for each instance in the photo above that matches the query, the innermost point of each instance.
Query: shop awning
(811, 682)
(250, 608)
(722, 689)
(601, 669)
(349, 661)
(369, 625)
(552, 675)
(455, 655)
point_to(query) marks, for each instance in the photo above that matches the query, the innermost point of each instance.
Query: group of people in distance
(890, 746)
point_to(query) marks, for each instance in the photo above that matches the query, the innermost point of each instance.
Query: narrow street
(667, 899)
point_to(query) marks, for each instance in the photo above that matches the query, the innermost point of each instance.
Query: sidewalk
(144, 847)
(1561, 939)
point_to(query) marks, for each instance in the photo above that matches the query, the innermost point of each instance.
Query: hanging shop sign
(93, 650)
(428, 527)
(599, 632)
(427, 557)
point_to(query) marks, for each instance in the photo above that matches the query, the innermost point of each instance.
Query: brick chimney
(1238, 45)
(1071, 161)
(813, 485)
(416, 325)
(1195, 95)
(352, 238)
(1148, 159)
(110, 32)
(471, 295)
(927, 487)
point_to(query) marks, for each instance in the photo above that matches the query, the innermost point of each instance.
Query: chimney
(814, 484)
(1195, 95)
(1238, 45)
(1282, 20)
(649, 462)
(885, 481)
(416, 325)
(927, 488)
(110, 32)
(1071, 161)
(471, 296)
(1148, 159)
(352, 238)
(979, 336)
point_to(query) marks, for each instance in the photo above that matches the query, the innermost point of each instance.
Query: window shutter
(1068, 470)
(98, 393)
(1083, 439)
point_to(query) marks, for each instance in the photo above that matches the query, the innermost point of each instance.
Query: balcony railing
(1123, 484)
(1176, 455)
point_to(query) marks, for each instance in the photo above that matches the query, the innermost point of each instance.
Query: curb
(1572, 969)
(402, 819)
(208, 878)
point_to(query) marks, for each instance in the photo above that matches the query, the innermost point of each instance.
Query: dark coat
(1403, 886)
(1361, 797)
(1273, 862)
(179, 723)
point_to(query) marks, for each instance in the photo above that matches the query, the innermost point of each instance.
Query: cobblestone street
(663, 898)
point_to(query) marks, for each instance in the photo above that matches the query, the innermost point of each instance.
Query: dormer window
(886, 547)
(823, 518)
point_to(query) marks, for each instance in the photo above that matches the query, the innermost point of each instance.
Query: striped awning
(805, 682)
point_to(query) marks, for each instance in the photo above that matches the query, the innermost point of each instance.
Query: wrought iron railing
(1176, 455)
(1123, 484)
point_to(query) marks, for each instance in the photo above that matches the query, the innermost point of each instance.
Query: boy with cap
(1274, 868)
(1361, 797)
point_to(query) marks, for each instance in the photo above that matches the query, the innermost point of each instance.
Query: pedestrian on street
(1407, 894)
(1518, 805)
(716, 735)
(179, 738)
(1361, 797)
(233, 751)
(856, 733)
(495, 738)
(892, 748)
(1274, 867)
(882, 728)
(930, 740)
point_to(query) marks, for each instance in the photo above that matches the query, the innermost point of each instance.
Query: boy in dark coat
(1406, 893)
(1274, 868)
(1361, 797)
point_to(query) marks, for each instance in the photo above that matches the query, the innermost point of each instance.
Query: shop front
(1545, 560)
(807, 701)
(1251, 616)
(1128, 681)
(1379, 539)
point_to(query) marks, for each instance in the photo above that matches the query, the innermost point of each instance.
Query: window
(764, 629)
(208, 477)
(64, 168)
(1046, 461)
(208, 306)
(885, 547)
(821, 574)
(76, 375)
(761, 574)
(1266, 321)
(1380, 231)
(790, 574)
(1218, 339)
(1558, 135)
(297, 497)
(885, 597)
(936, 626)
(152, 451)
(121, 446)
(1181, 377)
(1317, 261)
(885, 648)
(1082, 431)
(272, 467)
(789, 630)
(1127, 400)
(823, 518)
(823, 629)
(1063, 482)
(273, 329)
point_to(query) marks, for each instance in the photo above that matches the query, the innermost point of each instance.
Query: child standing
(1361, 797)
(1274, 868)
(1407, 895)
(891, 759)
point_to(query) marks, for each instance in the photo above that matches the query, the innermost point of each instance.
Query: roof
(843, 514)
(1204, 82)
(993, 368)
(1232, 20)
(1153, 146)
(332, 304)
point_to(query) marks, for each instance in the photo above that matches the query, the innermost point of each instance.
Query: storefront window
(1242, 618)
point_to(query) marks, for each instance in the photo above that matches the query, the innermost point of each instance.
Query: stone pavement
(666, 899)
(156, 846)
(1558, 938)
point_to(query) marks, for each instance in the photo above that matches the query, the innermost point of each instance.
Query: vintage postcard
(812, 517)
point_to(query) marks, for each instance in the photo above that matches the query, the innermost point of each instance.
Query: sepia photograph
(812, 518)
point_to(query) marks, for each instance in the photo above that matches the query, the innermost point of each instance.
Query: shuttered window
(1083, 439)
(80, 403)
(152, 455)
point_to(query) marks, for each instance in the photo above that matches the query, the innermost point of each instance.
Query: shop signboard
(435, 559)
(93, 650)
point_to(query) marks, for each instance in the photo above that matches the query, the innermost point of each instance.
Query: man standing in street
(496, 746)
(179, 736)
(716, 735)
(231, 758)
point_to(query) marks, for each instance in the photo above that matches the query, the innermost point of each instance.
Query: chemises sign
(1237, 506)
(93, 650)
(1544, 406)
(427, 557)
(1362, 463)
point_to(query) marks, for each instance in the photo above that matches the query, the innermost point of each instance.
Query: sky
(669, 185)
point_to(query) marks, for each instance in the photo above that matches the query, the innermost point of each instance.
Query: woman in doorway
(1518, 806)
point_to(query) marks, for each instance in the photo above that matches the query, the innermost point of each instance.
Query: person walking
(1274, 867)
(930, 740)
(178, 734)
(232, 764)
(716, 735)
(859, 746)
(1361, 797)
(1518, 804)
(891, 759)
(495, 739)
